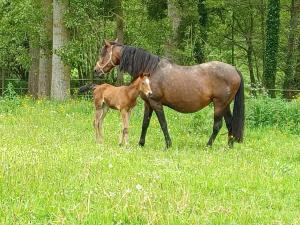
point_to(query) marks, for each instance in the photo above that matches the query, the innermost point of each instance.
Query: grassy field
(53, 172)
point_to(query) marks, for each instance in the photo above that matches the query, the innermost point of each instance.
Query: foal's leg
(98, 115)
(228, 121)
(124, 131)
(100, 127)
(147, 116)
(218, 116)
(159, 111)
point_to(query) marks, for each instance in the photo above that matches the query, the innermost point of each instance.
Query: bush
(262, 112)
(10, 100)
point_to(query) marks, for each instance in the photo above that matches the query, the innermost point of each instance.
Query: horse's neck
(133, 89)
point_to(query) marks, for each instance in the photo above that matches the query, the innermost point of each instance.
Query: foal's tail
(86, 88)
(238, 119)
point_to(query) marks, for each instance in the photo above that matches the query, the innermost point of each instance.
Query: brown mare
(186, 89)
(121, 98)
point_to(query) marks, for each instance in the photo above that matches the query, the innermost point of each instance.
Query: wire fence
(76, 83)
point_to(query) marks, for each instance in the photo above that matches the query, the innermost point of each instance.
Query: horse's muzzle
(98, 73)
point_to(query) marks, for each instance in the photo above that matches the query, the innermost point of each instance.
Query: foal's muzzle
(149, 94)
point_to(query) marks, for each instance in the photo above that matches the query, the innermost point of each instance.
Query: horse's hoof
(208, 145)
(230, 143)
(141, 144)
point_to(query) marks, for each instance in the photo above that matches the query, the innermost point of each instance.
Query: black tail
(238, 119)
(86, 88)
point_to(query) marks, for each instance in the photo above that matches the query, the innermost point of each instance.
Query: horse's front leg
(125, 124)
(97, 121)
(147, 116)
(159, 111)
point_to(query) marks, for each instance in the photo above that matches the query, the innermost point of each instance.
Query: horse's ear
(106, 42)
(117, 40)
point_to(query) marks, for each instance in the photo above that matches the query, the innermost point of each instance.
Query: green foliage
(283, 115)
(204, 33)
(10, 100)
(261, 112)
(19, 23)
(157, 9)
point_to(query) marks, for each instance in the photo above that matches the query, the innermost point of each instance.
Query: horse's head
(145, 85)
(109, 57)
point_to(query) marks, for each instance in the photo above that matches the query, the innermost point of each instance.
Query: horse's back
(190, 88)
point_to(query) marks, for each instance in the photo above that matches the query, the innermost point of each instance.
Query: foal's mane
(136, 61)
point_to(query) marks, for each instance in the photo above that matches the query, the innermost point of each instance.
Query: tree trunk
(60, 83)
(272, 41)
(33, 76)
(45, 67)
(249, 40)
(120, 36)
(290, 56)
(296, 79)
(199, 49)
(232, 38)
(262, 32)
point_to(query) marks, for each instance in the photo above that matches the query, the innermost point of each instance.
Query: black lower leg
(216, 128)
(163, 124)
(228, 121)
(147, 116)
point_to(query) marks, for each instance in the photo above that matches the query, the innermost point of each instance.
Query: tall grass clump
(10, 100)
(278, 113)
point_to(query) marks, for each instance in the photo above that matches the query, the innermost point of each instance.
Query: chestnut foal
(121, 98)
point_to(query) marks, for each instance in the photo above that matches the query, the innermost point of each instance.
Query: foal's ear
(106, 43)
(117, 40)
(144, 75)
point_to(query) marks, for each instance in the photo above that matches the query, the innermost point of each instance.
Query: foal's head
(109, 57)
(144, 85)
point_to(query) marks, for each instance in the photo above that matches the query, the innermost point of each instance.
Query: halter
(109, 61)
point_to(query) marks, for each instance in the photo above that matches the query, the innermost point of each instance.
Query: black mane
(136, 61)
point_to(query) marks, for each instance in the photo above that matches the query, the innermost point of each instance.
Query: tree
(120, 34)
(33, 75)
(60, 82)
(199, 50)
(272, 39)
(289, 69)
(175, 18)
(45, 66)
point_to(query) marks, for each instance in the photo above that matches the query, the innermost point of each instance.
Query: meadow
(53, 172)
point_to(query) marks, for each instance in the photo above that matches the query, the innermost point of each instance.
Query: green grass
(53, 172)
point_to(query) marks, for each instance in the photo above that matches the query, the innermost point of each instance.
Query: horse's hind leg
(228, 121)
(218, 116)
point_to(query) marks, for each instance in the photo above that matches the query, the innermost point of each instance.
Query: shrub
(276, 112)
